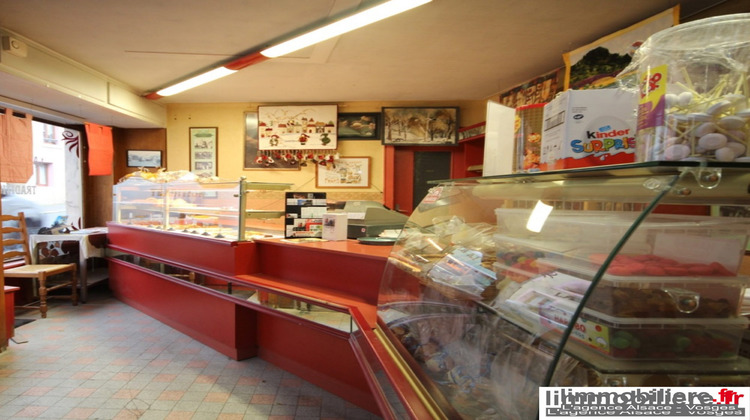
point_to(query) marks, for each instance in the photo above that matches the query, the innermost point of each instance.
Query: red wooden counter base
(341, 275)
(9, 311)
(218, 323)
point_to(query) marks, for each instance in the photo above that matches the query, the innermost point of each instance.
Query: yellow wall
(229, 118)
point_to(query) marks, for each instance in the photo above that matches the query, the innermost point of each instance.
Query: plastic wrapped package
(464, 269)
(693, 87)
(455, 231)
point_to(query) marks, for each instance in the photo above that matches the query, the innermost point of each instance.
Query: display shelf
(472, 132)
(216, 208)
(484, 301)
(472, 138)
(469, 157)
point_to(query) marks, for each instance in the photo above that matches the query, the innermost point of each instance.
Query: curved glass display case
(221, 209)
(625, 275)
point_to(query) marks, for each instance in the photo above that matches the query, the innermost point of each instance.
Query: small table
(90, 243)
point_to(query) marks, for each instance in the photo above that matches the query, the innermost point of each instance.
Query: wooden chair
(17, 264)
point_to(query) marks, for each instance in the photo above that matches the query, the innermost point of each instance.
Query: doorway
(429, 166)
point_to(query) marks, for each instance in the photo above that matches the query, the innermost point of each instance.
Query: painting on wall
(301, 127)
(415, 126)
(144, 158)
(347, 172)
(254, 158)
(596, 65)
(203, 147)
(359, 126)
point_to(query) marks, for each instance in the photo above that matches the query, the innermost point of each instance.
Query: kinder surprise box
(588, 128)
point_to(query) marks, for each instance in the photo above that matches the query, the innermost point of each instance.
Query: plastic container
(538, 308)
(656, 297)
(692, 84)
(687, 240)
(650, 338)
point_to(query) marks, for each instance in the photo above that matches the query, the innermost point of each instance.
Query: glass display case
(625, 275)
(221, 209)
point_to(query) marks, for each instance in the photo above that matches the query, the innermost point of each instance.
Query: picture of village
(297, 127)
(348, 172)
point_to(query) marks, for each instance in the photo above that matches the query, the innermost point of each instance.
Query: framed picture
(302, 127)
(420, 126)
(203, 146)
(255, 159)
(345, 172)
(359, 126)
(144, 158)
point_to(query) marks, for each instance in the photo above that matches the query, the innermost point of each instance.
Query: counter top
(349, 246)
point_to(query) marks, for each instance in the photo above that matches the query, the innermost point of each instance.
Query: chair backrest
(15, 238)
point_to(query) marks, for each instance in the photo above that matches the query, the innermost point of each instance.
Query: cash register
(371, 218)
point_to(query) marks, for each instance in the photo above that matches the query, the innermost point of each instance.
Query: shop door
(429, 166)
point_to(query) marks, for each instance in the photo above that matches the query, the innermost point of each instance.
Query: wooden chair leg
(74, 286)
(43, 295)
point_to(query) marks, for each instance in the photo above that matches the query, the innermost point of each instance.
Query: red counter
(342, 275)
(9, 312)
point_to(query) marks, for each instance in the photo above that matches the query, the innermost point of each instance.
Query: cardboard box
(334, 226)
(588, 128)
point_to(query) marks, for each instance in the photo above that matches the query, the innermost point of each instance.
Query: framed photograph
(420, 126)
(266, 160)
(345, 172)
(302, 127)
(144, 158)
(359, 126)
(203, 146)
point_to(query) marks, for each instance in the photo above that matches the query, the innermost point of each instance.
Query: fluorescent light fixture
(206, 77)
(358, 20)
(538, 216)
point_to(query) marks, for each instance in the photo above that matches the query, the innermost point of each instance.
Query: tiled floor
(106, 360)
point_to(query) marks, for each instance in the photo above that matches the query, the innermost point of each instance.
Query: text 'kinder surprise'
(588, 128)
(606, 140)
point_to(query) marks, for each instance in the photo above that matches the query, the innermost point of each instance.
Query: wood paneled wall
(98, 189)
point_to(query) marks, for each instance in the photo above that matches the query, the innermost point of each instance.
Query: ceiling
(446, 50)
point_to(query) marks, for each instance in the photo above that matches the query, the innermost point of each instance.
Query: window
(54, 189)
(49, 134)
(41, 169)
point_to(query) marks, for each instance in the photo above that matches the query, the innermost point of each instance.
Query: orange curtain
(100, 149)
(16, 148)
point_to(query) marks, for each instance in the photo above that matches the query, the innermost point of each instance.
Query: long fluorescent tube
(363, 18)
(198, 80)
(358, 20)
